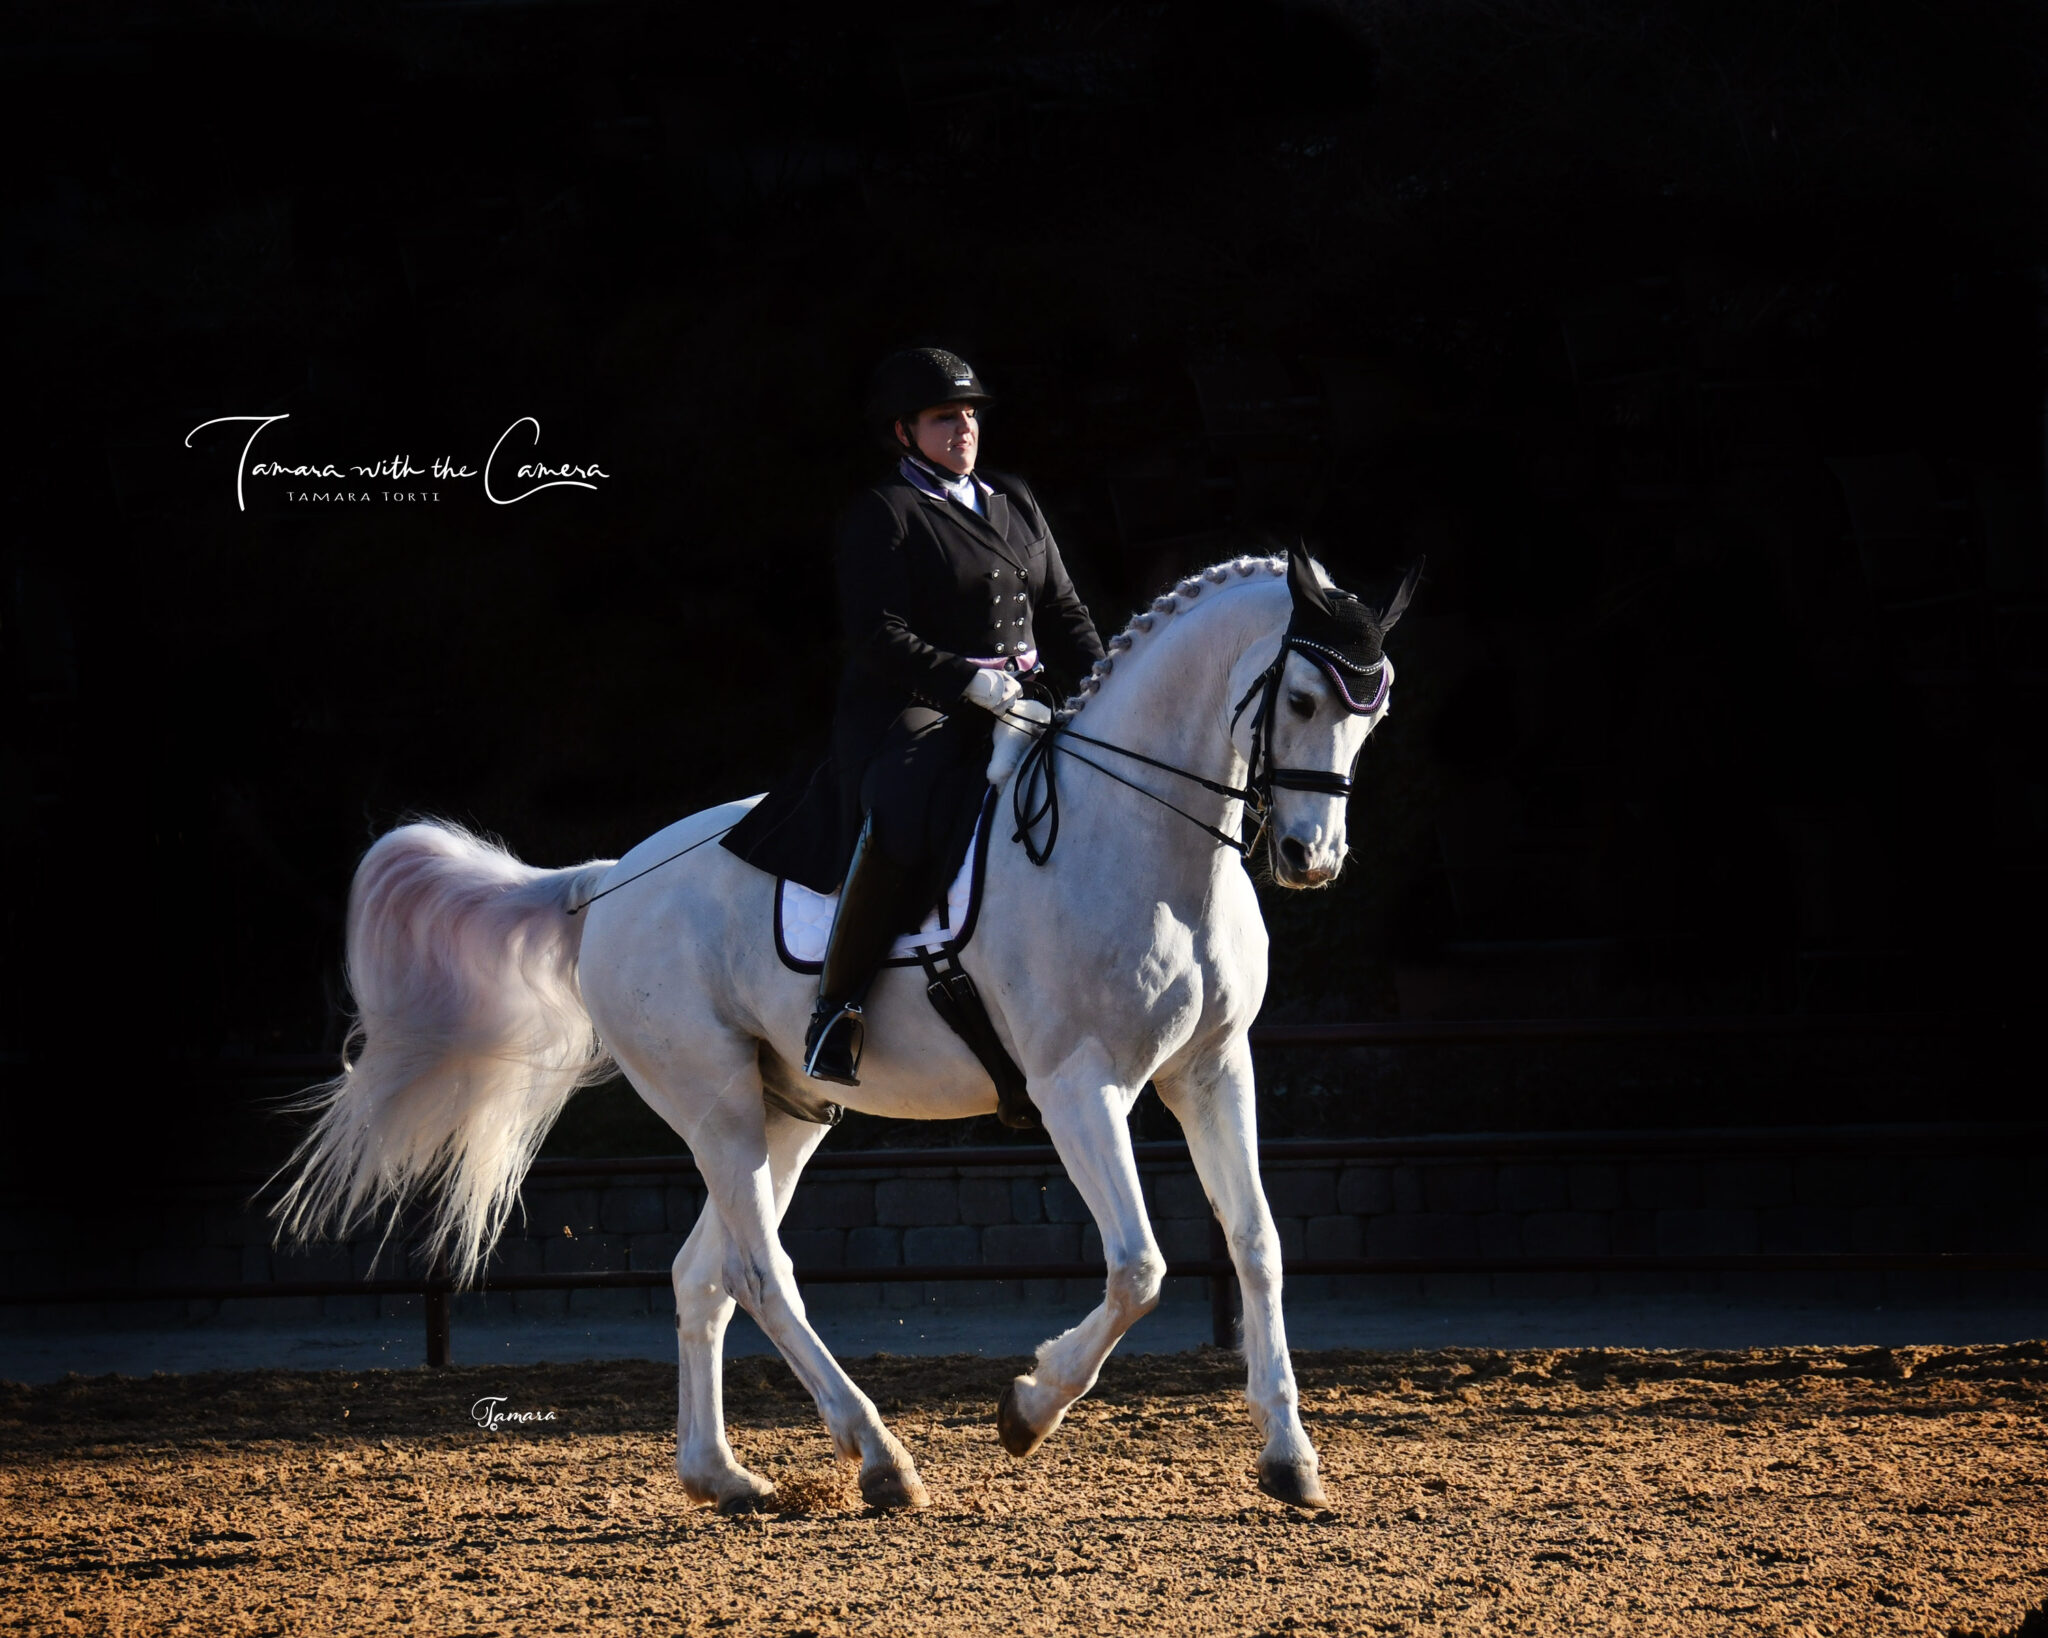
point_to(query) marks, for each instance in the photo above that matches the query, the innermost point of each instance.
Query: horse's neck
(1169, 697)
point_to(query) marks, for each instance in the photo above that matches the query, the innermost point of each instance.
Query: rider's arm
(875, 601)
(1067, 641)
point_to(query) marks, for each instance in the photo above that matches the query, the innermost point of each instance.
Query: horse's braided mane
(1236, 571)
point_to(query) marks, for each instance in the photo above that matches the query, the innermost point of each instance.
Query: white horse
(1135, 953)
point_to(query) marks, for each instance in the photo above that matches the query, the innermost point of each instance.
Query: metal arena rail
(1154, 1157)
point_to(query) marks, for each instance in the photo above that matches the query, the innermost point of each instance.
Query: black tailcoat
(924, 584)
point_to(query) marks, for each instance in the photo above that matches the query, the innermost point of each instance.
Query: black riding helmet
(916, 379)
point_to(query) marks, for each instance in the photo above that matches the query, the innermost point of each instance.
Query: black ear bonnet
(1343, 634)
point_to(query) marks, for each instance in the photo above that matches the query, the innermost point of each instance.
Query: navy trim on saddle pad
(958, 942)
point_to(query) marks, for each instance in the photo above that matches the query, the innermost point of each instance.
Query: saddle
(803, 920)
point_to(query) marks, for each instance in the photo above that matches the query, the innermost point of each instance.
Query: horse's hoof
(1294, 1483)
(1019, 1437)
(890, 1489)
(758, 1496)
(737, 1492)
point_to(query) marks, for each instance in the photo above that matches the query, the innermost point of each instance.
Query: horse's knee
(1258, 1267)
(1133, 1289)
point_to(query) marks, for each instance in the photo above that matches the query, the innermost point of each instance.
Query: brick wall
(1944, 1189)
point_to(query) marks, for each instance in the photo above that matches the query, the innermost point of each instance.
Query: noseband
(1034, 798)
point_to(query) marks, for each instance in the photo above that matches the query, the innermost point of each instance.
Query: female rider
(954, 600)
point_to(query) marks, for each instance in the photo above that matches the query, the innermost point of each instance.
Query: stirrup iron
(828, 1055)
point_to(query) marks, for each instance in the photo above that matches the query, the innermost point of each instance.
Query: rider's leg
(887, 888)
(874, 903)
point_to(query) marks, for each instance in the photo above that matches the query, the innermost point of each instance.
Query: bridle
(1034, 796)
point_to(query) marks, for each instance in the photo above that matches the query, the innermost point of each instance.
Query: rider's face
(947, 435)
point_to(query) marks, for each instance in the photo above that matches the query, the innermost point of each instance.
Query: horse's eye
(1301, 705)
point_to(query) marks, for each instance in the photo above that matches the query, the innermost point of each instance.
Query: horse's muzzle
(1296, 864)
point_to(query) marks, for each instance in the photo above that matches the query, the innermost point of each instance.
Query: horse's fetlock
(1278, 1419)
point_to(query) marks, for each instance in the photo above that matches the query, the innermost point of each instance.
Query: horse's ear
(1301, 582)
(1409, 581)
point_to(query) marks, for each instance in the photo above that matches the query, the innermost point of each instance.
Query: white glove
(992, 691)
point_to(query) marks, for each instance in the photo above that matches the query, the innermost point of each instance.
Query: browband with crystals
(1324, 658)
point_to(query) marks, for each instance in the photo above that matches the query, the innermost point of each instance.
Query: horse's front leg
(1215, 1106)
(1085, 1114)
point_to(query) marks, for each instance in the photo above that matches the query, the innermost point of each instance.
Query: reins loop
(1037, 770)
(1035, 798)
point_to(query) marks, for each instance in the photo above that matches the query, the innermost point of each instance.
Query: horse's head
(1330, 690)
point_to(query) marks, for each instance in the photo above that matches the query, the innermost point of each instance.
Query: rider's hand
(992, 691)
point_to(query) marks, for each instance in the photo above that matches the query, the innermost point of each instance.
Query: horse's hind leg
(732, 1146)
(704, 1461)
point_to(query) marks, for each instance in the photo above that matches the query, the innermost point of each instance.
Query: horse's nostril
(1295, 852)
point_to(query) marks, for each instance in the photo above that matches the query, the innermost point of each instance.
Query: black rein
(1037, 769)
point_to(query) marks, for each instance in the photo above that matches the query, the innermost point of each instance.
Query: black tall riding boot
(872, 912)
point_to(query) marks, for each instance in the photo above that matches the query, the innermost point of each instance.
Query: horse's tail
(469, 1037)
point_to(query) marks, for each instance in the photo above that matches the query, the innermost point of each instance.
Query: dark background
(1698, 345)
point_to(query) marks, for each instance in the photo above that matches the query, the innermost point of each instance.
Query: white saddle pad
(803, 919)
